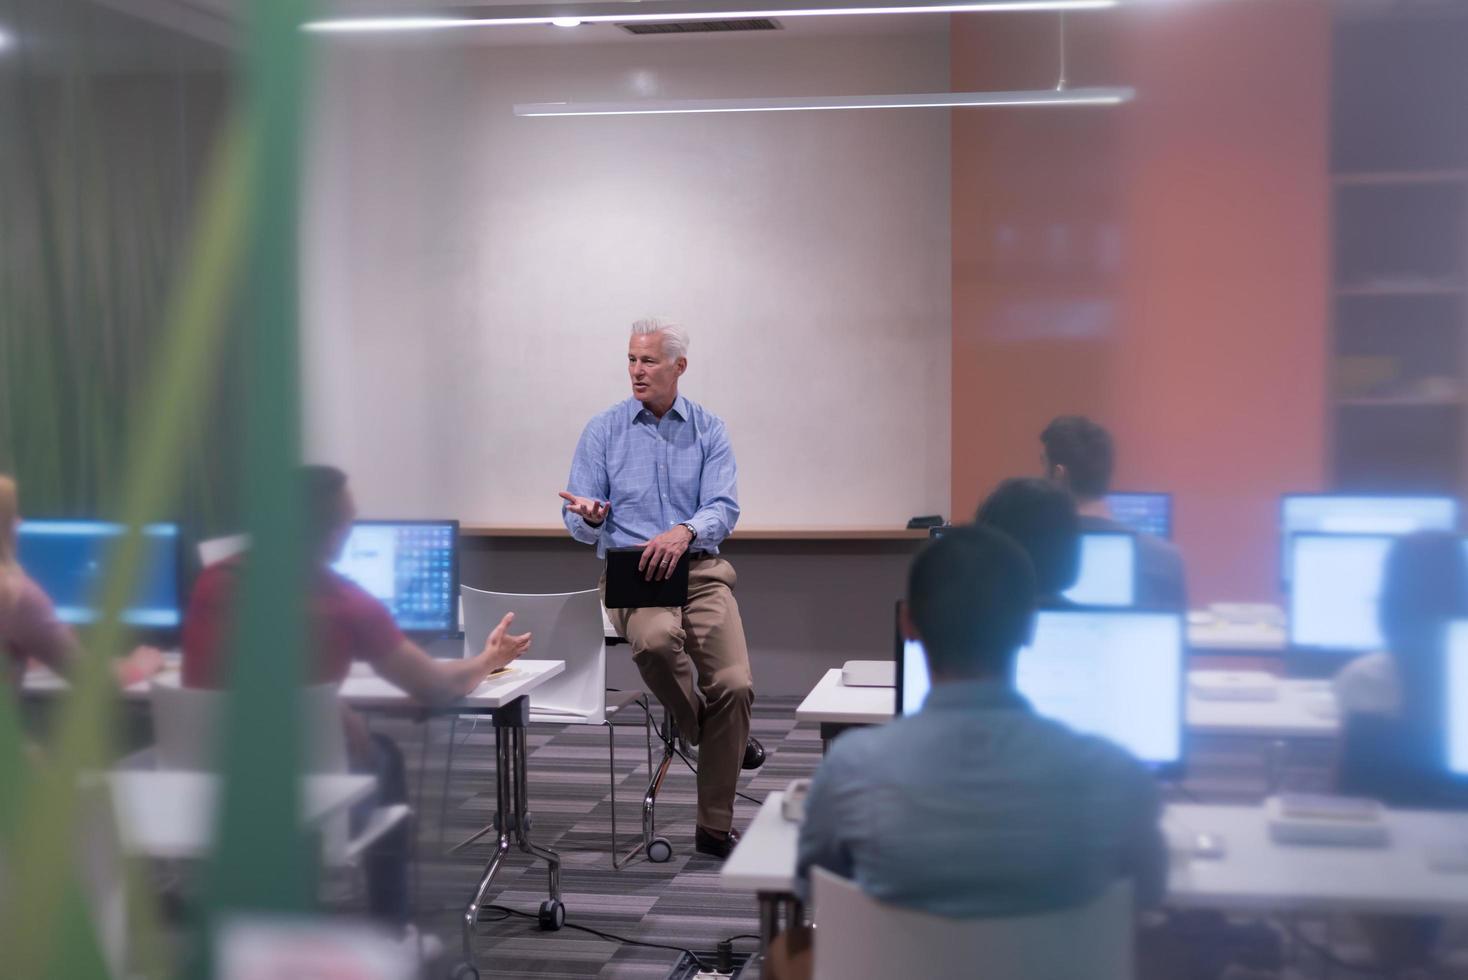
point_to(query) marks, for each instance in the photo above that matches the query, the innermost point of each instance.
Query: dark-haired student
(976, 806)
(1041, 518)
(1392, 709)
(1079, 455)
(345, 623)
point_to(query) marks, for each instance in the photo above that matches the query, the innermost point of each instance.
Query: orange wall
(1161, 266)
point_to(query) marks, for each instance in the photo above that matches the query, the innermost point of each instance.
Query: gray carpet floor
(678, 903)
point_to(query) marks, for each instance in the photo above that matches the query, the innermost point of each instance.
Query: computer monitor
(1335, 590)
(1456, 684)
(1456, 693)
(68, 559)
(412, 567)
(1108, 574)
(1331, 513)
(1113, 673)
(1145, 513)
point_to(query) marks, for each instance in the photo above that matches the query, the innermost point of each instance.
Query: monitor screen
(1108, 570)
(1344, 514)
(1336, 584)
(1117, 674)
(1457, 695)
(1145, 513)
(411, 566)
(68, 560)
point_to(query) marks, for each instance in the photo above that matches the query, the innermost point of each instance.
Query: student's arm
(1145, 856)
(44, 638)
(718, 491)
(435, 682)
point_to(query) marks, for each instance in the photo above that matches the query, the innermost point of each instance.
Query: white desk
(369, 692)
(170, 815)
(1257, 874)
(763, 862)
(1302, 709)
(1219, 636)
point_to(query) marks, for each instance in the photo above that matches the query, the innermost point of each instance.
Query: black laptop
(628, 588)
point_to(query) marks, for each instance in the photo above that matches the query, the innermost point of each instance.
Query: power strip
(687, 967)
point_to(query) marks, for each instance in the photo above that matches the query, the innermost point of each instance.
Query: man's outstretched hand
(589, 510)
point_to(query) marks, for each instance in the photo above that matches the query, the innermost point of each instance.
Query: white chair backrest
(859, 938)
(218, 549)
(566, 626)
(185, 719)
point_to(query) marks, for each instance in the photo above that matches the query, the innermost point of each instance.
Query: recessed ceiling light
(566, 22)
(934, 100)
(7, 40)
(606, 13)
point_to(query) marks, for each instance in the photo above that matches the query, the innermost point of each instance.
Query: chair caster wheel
(659, 851)
(465, 971)
(552, 915)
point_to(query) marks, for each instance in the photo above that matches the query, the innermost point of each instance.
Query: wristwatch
(691, 530)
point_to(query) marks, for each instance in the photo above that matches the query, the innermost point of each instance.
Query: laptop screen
(1108, 570)
(412, 567)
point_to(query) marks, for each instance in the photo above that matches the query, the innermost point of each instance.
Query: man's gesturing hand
(591, 511)
(661, 553)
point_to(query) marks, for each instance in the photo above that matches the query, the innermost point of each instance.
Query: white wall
(469, 276)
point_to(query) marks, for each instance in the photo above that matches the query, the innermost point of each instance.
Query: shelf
(1406, 402)
(740, 534)
(1397, 178)
(1406, 289)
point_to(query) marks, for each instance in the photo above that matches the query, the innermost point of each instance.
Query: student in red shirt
(345, 623)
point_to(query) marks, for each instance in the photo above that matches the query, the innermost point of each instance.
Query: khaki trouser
(705, 638)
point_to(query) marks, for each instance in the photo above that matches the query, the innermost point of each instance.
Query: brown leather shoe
(713, 843)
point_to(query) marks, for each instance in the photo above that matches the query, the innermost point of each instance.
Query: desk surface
(362, 688)
(1302, 709)
(171, 814)
(1254, 874)
(764, 858)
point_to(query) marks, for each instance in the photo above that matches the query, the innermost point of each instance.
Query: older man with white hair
(657, 472)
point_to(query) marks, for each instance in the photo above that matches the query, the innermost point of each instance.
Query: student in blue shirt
(976, 806)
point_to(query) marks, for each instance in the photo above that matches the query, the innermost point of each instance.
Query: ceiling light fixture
(565, 22)
(935, 100)
(7, 40)
(616, 13)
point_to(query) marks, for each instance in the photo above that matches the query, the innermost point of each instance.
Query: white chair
(566, 626)
(218, 549)
(184, 721)
(860, 938)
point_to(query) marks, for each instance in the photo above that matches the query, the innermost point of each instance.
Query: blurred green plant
(72, 351)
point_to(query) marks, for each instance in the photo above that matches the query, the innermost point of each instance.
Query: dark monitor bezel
(1170, 771)
(179, 569)
(1165, 495)
(456, 626)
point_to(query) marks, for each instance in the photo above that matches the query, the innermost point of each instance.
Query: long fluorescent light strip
(346, 25)
(938, 100)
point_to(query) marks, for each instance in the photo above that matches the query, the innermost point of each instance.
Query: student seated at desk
(1392, 702)
(345, 623)
(1080, 456)
(976, 806)
(1392, 712)
(1041, 518)
(29, 629)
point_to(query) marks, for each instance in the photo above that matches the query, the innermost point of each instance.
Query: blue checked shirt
(656, 473)
(976, 806)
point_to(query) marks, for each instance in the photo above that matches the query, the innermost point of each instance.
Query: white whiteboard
(468, 277)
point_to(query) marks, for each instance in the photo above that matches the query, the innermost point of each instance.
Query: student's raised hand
(501, 648)
(590, 510)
